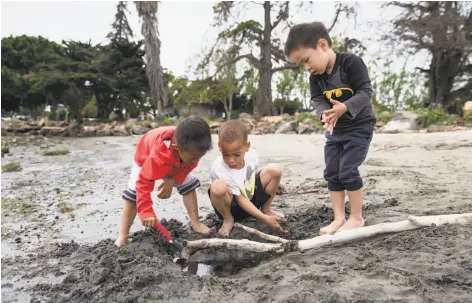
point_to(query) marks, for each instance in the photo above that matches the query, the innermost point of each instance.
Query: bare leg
(337, 200)
(221, 196)
(191, 204)
(270, 179)
(127, 218)
(356, 198)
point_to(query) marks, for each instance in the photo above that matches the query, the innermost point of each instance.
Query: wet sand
(60, 215)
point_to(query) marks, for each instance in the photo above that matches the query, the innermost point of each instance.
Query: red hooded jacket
(157, 160)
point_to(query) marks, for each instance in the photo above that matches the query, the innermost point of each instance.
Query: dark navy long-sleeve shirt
(349, 83)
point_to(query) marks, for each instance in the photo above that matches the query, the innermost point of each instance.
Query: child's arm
(358, 77)
(152, 170)
(251, 209)
(317, 97)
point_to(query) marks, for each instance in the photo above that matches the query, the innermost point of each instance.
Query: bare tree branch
(336, 16)
(283, 14)
(286, 66)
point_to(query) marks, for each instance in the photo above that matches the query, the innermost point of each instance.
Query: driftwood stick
(192, 247)
(369, 231)
(413, 222)
(260, 234)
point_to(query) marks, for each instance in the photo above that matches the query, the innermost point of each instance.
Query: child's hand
(281, 189)
(165, 189)
(337, 111)
(273, 222)
(327, 126)
(150, 222)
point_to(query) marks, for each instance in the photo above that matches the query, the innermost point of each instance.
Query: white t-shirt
(242, 181)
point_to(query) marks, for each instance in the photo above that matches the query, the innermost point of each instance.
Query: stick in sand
(283, 245)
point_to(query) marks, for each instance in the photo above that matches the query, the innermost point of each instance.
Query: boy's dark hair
(193, 132)
(306, 35)
(233, 130)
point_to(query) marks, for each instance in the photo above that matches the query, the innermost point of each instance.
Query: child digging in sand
(239, 189)
(168, 154)
(341, 93)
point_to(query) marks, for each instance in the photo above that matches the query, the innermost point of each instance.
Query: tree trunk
(265, 75)
(443, 68)
(147, 11)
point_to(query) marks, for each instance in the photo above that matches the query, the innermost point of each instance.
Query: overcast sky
(185, 27)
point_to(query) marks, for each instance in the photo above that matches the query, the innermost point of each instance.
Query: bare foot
(201, 228)
(351, 223)
(333, 227)
(122, 239)
(274, 213)
(226, 228)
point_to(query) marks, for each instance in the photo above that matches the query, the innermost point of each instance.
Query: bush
(468, 118)
(61, 114)
(113, 116)
(385, 116)
(91, 109)
(315, 120)
(169, 121)
(5, 149)
(435, 115)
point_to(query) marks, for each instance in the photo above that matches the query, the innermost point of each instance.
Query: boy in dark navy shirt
(341, 93)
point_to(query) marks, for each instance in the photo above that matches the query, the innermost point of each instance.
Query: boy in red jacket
(168, 154)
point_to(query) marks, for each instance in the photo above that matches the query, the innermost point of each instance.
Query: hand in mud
(150, 222)
(273, 222)
(281, 190)
(165, 189)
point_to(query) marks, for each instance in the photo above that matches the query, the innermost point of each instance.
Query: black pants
(345, 151)
(259, 199)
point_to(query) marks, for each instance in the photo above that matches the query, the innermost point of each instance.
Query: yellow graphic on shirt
(249, 185)
(338, 92)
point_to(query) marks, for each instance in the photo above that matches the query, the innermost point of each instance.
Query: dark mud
(428, 265)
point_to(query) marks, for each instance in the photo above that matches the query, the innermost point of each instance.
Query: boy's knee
(274, 169)
(219, 188)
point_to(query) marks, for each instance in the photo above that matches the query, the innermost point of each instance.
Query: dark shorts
(259, 199)
(344, 152)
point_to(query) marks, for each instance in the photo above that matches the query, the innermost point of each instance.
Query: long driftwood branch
(283, 245)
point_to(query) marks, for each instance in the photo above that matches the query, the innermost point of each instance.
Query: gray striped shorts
(190, 184)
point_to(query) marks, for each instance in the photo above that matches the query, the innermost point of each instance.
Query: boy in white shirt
(239, 189)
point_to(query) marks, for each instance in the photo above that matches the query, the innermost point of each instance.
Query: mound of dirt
(431, 264)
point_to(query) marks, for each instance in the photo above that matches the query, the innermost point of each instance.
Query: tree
(251, 34)
(147, 11)
(121, 28)
(227, 82)
(444, 29)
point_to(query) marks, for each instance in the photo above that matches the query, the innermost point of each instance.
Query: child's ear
(176, 147)
(219, 145)
(248, 145)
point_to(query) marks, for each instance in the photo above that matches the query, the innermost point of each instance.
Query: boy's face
(314, 60)
(233, 152)
(190, 156)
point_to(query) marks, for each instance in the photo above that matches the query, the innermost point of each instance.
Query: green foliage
(304, 117)
(90, 110)
(384, 116)
(468, 118)
(55, 152)
(10, 167)
(435, 115)
(169, 121)
(5, 149)
(396, 91)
